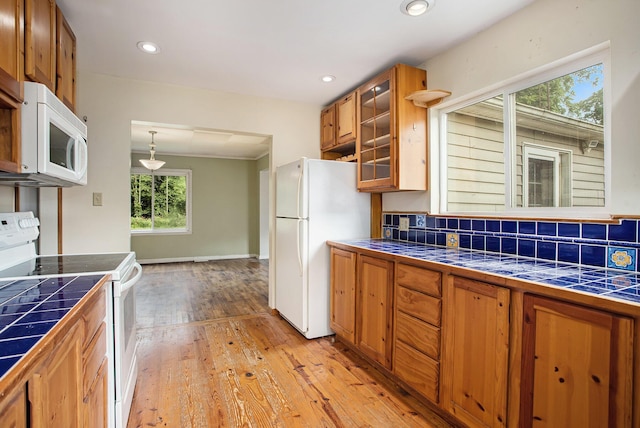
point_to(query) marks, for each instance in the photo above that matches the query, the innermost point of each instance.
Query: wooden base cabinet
(13, 412)
(576, 366)
(476, 352)
(374, 308)
(343, 294)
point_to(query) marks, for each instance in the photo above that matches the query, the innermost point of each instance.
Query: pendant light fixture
(152, 163)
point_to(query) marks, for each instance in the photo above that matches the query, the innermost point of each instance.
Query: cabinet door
(576, 366)
(375, 294)
(476, 352)
(65, 61)
(13, 414)
(376, 136)
(343, 293)
(40, 42)
(95, 406)
(55, 389)
(11, 48)
(346, 118)
(327, 128)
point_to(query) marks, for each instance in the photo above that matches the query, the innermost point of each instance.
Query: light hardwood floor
(211, 354)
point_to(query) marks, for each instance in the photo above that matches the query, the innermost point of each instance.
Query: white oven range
(18, 259)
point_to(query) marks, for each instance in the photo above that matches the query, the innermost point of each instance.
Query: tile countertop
(30, 308)
(605, 283)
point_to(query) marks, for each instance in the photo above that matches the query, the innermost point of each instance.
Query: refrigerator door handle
(298, 194)
(298, 245)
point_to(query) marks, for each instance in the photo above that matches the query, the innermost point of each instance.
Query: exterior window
(529, 146)
(160, 201)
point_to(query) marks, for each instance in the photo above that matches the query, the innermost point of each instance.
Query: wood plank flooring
(211, 354)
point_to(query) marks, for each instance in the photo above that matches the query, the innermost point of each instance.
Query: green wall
(225, 211)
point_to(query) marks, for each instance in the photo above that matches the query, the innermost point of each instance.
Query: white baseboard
(196, 259)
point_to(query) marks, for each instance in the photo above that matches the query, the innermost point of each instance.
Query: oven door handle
(130, 283)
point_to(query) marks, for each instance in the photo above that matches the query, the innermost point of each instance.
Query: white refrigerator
(316, 201)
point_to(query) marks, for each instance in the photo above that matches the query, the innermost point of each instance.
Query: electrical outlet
(97, 199)
(404, 223)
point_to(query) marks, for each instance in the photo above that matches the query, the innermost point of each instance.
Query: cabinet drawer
(418, 370)
(419, 305)
(93, 356)
(94, 315)
(424, 280)
(419, 334)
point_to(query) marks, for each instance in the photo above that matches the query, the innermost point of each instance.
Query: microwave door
(61, 150)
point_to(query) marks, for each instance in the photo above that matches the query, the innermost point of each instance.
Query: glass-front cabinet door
(376, 148)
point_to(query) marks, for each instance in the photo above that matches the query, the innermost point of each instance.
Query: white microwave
(53, 140)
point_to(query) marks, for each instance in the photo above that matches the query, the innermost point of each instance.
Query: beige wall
(110, 104)
(224, 212)
(543, 32)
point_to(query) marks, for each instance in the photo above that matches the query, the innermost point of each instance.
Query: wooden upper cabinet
(65, 61)
(328, 128)
(346, 119)
(476, 352)
(11, 62)
(576, 366)
(40, 41)
(343, 294)
(392, 134)
(374, 309)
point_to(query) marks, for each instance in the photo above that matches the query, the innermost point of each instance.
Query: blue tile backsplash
(604, 245)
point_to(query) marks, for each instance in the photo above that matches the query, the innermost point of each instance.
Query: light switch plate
(97, 199)
(404, 223)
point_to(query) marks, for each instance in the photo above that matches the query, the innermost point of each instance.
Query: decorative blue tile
(588, 289)
(546, 250)
(621, 258)
(421, 236)
(464, 240)
(465, 224)
(421, 220)
(441, 223)
(23, 330)
(493, 225)
(431, 238)
(527, 227)
(441, 238)
(632, 295)
(493, 243)
(413, 236)
(546, 228)
(625, 231)
(403, 235)
(387, 220)
(509, 226)
(431, 222)
(396, 234)
(478, 225)
(412, 220)
(452, 223)
(387, 233)
(526, 247)
(509, 245)
(568, 253)
(593, 255)
(594, 231)
(477, 242)
(396, 220)
(569, 230)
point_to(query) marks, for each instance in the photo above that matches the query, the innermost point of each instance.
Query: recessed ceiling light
(328, 78)
(416, 7)
(148, 47)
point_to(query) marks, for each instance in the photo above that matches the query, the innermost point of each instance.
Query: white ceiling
(276, 49)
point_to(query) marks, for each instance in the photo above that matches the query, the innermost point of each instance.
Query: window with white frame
(160, 201)
(537, 143)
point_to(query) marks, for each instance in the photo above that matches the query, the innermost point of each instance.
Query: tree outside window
(159, 201)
